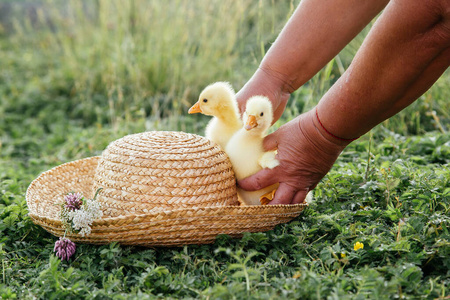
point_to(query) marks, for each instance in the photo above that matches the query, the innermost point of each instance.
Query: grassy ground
(77, 75)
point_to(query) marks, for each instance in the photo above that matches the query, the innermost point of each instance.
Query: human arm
(406, 51)
(404, 54)
(314, 34)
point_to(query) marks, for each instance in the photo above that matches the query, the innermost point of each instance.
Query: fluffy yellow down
(219, 100)
(245, 148)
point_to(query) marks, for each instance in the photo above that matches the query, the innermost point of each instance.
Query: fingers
(284, 194)
(259, 180)
(300, 196)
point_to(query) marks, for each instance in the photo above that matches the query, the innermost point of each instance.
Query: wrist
(318, 133)
(321, 149)
(278, 79)
(322, 128)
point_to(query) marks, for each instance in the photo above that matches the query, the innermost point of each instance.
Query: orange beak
(195, 108)
(251, 122)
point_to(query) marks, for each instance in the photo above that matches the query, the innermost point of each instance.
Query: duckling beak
(251, 122)
(195, 108)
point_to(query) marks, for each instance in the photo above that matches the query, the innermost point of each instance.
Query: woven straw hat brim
(176, 227)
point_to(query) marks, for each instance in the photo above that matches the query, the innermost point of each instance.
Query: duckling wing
(211, 129)
(214, 132)
(268, 160)
(219, 132)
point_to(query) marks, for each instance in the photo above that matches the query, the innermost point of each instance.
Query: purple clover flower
(73, 201)
(64, 248)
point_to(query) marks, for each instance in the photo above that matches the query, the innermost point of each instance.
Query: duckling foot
(266, 198)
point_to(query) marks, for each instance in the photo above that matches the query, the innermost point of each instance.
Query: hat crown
(162, 170)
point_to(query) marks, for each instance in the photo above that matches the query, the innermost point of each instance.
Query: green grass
(76, 76)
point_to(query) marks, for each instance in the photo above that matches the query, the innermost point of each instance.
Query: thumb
(271, 141)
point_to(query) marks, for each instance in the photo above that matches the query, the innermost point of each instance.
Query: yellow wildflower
(343, 255)
(358, 245)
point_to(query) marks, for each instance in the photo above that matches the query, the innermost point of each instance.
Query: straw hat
(159, 188)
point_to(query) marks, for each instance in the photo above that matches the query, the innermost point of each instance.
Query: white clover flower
(94, 208)
(82, 221)
(83, 218)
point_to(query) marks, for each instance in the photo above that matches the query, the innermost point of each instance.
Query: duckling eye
(261, 114)
(205, 100)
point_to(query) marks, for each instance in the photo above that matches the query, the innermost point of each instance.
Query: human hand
(306, 154)
(269, 84)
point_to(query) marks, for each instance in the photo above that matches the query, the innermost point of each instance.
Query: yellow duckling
(245, 148)
(219, 100)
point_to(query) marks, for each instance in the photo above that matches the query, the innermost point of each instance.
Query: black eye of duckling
(205, 100)
(261, 114)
